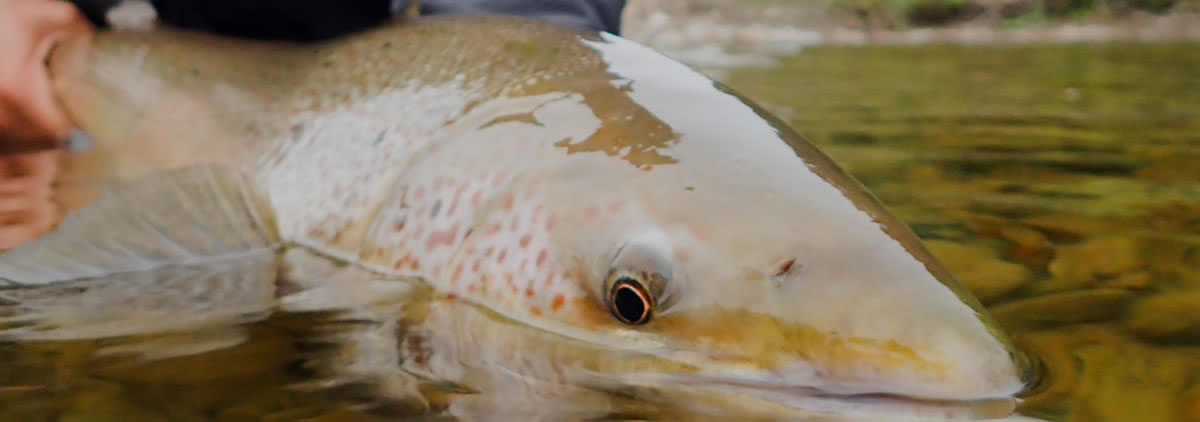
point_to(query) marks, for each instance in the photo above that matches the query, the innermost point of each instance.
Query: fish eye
(629, 300)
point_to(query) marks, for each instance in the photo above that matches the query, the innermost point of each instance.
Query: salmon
(553, 214)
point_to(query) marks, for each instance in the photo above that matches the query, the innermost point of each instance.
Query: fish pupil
(630, 303)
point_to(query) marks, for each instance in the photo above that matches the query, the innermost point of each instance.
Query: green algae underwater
(1062, 201)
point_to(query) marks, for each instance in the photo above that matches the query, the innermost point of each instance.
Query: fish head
(740, 260)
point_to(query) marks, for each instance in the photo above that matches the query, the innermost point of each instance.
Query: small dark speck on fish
(379, 139)
(689, 188)
(437, 206)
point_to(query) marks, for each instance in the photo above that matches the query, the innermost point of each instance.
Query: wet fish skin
(519, 166)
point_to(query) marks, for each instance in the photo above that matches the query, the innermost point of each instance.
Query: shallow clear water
(1061, 183)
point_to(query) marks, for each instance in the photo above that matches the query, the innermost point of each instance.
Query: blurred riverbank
(721, 33)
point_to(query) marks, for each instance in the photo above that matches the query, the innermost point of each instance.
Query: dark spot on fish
(195, 72)
(689, 188)
(387, 45)
(437, 206)
(297, 129)
(379, 138)
(327, 63)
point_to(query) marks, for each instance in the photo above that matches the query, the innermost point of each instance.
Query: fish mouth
(814, 400)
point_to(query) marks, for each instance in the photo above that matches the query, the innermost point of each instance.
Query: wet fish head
(729, 255)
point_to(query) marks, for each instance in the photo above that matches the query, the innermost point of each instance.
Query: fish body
(638, 225)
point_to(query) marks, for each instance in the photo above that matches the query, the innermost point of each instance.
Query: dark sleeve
(600, 15)
(309, 20)
(298, 20)
(94, 10)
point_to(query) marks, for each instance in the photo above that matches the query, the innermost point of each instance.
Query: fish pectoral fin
(170, 251)
(170, 217)
(163, 299)
(315, 283)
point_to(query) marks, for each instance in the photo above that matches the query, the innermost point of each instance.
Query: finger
(32, 97)
(41, 166)
(24, 201)
(52, 16)
(28, 225)
(23, 172)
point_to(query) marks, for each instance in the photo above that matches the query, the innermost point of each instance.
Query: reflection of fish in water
(580, 211)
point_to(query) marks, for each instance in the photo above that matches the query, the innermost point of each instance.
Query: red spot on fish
(499, 178)
(541, 258)
(493, 228)
(419, 193)
(525, 240)
(589, 213)
(558, 302)
(537, 212)
(473, 288)
(615, 206)
(528, 292)
(535, 311)
(475, 267)
(457, 273)
(508, 279)
(506, 201)
(549, 279)
(501, 255)
(524, 264)
(488, 252)
(442, 238)
(451, 297)
(550, 223)
(414, 265)
(316, 232)
(398, 226)
(454, 202)
(477, 199)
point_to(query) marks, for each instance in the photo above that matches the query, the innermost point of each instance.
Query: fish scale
(525, 175)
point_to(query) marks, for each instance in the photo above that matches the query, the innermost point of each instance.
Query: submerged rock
(1070, 307)
(1167, 316)
(988, 276)
(1086, 263)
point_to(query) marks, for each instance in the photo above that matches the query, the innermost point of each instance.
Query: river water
(1060, 183)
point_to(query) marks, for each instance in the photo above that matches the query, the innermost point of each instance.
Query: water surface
(1060, 183)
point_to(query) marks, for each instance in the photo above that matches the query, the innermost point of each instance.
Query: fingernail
(78, 141)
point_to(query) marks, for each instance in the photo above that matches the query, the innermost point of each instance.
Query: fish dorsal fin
(171, 217)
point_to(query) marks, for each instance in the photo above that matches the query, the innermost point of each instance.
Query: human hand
(27, 209)
(29, 112)
(31, 121)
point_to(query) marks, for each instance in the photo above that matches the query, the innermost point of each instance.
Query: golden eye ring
(629, 301)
